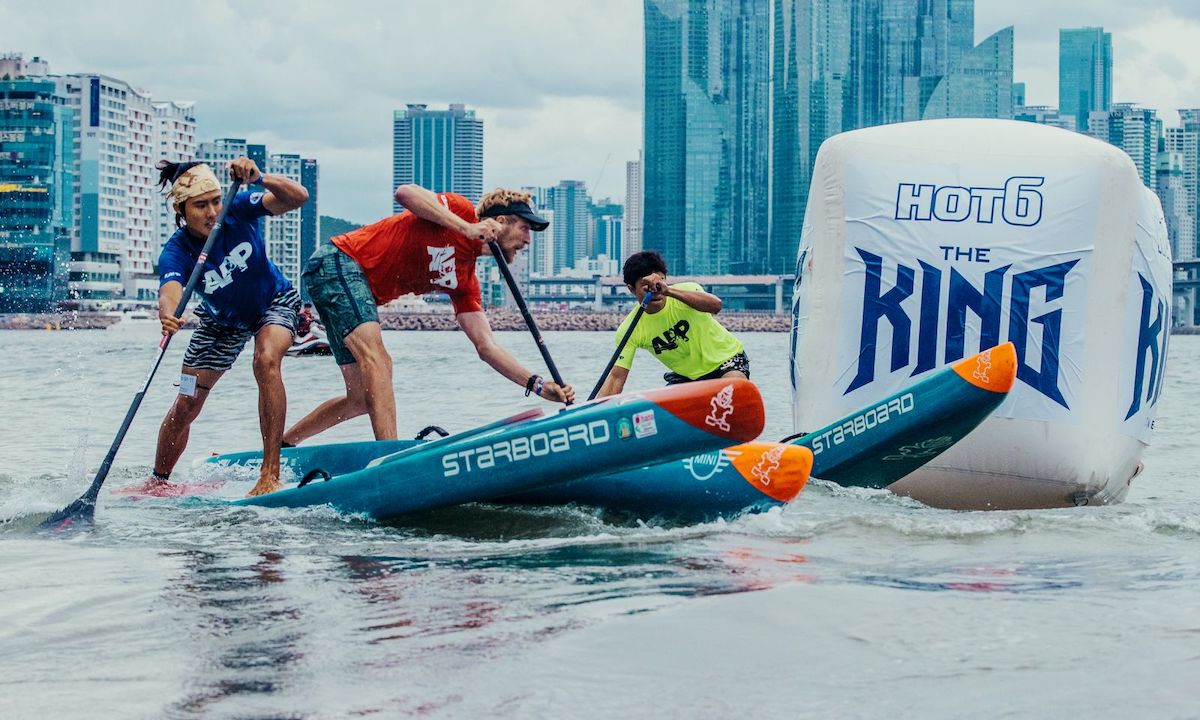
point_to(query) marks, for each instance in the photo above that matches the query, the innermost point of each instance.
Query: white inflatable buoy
(928, 241)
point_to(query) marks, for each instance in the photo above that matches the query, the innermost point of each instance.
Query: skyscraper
(175, 124)
(706, 133)
(665, 127)
(791, 137)
(1135, 130)
(282, 233)
(441, 150)
(605, 230)
(1172, 192)
(541, 244)
(570, 202)
(310, 213)
(929, 65)
(142, 202)
(978, 84)
(1084, 72)
(839, 65)
(36, 189)
(631, 242)
(1185, 140)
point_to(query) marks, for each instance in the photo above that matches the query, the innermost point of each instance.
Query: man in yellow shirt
(678, 327)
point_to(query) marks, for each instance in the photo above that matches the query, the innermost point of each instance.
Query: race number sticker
(643, 424)
(187, 385)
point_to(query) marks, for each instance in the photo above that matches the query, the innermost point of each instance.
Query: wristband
(529, 384)
(537, 388)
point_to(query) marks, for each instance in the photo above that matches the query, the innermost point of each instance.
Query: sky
(558, 83)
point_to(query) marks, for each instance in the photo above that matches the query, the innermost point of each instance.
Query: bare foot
(266, 484)
(155, 487)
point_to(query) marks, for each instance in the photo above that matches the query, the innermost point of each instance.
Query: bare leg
(270, 343)
(368, 389)
(332, 411)
(177, 425)
(365, 343)
(735, 374)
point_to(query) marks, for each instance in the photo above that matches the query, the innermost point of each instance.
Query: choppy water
(846, 604)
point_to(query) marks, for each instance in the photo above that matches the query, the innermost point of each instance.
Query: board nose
(731, 408)
(994, 369)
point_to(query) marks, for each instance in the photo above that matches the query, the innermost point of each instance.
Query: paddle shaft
(498, 254)
(621, 345)
(193, 280)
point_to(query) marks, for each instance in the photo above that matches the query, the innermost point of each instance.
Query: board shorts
(341, 295)
(738, 362)
(215, 346)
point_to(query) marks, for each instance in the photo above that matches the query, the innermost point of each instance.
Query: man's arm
(168, 299)
(282, 195)
(479, 331)
(424, 204)
(696, 299)
(614, 384)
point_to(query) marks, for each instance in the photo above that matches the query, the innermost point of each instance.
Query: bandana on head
(196, 181)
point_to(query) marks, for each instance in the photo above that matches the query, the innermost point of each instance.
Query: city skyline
(558, 105)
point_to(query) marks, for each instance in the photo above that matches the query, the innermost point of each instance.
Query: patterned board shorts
(214, 345)
(738, 362)
(340, 292)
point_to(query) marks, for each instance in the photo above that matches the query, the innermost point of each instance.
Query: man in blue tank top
(242, 295)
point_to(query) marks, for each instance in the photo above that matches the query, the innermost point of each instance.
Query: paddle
(85, 507)
(621, 345)
(498, 254)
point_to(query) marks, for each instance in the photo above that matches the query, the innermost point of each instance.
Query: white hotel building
(120, 135)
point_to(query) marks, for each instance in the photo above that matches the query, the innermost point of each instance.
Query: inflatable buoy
(929, 241)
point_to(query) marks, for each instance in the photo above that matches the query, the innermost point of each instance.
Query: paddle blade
(80, 512)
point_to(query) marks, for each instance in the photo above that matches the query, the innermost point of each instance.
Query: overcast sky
(557, 82)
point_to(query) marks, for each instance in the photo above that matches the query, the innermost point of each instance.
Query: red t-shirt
(404, 254)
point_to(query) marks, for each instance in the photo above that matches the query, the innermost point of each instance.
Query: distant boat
(311, 343)
(139, 316)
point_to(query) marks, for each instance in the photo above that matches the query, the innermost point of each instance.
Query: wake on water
(25, 501)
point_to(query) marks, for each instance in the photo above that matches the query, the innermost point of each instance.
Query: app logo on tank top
(235, 260)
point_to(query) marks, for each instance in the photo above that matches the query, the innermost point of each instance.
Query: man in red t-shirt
(430, 247)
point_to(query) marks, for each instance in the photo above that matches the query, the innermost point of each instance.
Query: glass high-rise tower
(37, 160)
(725, 190)
(441, 150)
(570, 202)
(707, 137)
(1084, 72)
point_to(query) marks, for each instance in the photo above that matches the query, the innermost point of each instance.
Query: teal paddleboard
(886, 440)
(513, 456)
(871, 447)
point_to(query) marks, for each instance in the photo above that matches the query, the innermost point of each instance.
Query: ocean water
(845, 604)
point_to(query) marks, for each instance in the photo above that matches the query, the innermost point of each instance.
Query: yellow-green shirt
(689, 342)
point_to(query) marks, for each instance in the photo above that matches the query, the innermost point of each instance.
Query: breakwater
(581, 321)
(500, 320)
(58, 321)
